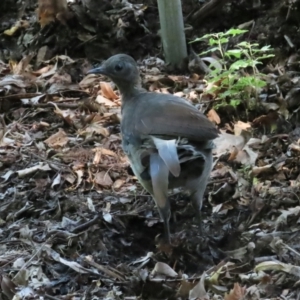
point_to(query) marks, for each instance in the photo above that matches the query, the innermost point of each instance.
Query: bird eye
(119, 67)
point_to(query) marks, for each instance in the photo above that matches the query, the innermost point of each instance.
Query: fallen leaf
(199, 292)
(103, 179)
(163, 269)
(102, 100)
(213, 116)
(237, 293)
(57, 140)
(118, 183)
(107, 91)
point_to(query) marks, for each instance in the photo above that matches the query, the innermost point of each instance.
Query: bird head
(121, 69)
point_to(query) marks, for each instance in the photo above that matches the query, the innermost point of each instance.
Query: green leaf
(223, 40)
(234, 52)
(251, 81)
(208, 35)
(195, 40)
(235, 102)
(255, 62)
(235, 32)
(228, 93)
(218, 34)
(239, 64)
(266, 48)
(230, 80)
(217, 106)
(213, 41)
(243, 44)
(265, 56)
(209, 50)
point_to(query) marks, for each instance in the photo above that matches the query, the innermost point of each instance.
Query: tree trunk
(172, 31)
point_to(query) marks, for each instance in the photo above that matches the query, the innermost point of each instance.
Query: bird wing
(168, 115)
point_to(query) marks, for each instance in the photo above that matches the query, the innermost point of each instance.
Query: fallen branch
(207, 10)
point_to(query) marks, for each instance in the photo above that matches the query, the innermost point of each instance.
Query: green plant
(235, 78)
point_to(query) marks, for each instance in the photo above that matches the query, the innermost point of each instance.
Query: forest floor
(74, 221)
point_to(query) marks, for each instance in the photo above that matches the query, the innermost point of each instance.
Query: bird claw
(164, 244)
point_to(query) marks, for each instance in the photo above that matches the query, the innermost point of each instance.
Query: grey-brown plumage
(167, 140)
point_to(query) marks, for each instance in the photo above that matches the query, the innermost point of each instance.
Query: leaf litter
(76, 224)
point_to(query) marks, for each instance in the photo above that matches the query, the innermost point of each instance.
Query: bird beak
(99, 70)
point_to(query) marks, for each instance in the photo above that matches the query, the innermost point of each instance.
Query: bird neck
(128, 90)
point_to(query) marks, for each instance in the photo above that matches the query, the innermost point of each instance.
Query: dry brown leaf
(68, 115)
(96, 118)
(295, 147)
(118, 183)
(79, 174)
(193, 96)
(247, 156)
(266, 120)
(240, 126)
(165, 91)
(97, 157)
(224, 143)
(20, 68)
(213, 116)
(88, 81)
(237, 293)
(199, 292)
(71, 264)
(220, 171)
(63, 78)
(57, 140)
(179, 94)
(108, 152)
(7, 287)
(50, 10)
(69, 178)
(234, 152)
(161, 245)
(94, 128)
(99, 151)
(163, 269)
(107, 91)
(102, 100)
(28, 171)
(103, 179)
(239, 147)
(184, 289)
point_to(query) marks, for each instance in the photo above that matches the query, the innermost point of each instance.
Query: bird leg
(197, 200)
(159, 176)
(198, 187)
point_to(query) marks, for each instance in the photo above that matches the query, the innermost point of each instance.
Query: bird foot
(164, 244)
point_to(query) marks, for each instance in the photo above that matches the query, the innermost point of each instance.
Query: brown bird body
(167, 140)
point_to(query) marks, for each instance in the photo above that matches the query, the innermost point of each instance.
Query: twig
(207, 9)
